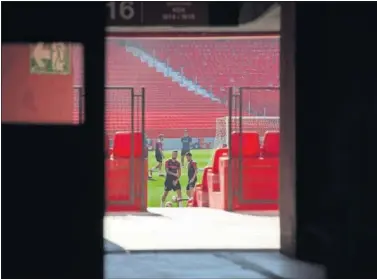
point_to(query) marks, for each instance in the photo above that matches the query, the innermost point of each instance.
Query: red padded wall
(31, 98)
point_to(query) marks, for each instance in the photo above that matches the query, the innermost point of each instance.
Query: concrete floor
(211, 265)
(167, 228)
(155, 245)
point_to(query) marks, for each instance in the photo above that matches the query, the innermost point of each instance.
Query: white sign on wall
(50, 58)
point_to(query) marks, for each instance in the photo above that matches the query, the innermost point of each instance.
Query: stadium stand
(170, 108)
(217, 64)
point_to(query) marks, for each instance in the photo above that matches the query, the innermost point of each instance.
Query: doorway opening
(216, 97)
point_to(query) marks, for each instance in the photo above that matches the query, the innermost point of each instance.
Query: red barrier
(255, 185)
(205, 178)
(258, 189)
(213, 182)
(213, 178)
(125, 189)
(200, 196)
(119, 188)
(222, 203)
(202, 190)
(254, 180)
(214, 192)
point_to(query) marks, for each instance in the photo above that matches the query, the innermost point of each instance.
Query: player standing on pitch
(186, 142)
(146, 150)
(192, 171)
(173, 173)
(159, 155)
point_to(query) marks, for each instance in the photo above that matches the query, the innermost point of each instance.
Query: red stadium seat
(122, 145)
(216, 156)
(249, 147)
(201, 190)
(271, 145)
(213, 173)
(204, 178)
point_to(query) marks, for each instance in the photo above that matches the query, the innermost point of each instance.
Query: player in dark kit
(186, 142)
(159, 155)
(192, 171)
(173, 173)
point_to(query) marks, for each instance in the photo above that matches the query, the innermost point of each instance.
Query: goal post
(259, 124)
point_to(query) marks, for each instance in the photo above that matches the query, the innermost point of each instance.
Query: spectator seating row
(165, 99)
(248, 175)
(216, 63)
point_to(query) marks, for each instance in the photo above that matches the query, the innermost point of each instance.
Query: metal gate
(236, 110)
(126, 180)
(234, 125)
(78, 104)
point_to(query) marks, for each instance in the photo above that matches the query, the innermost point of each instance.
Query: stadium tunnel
(319, 203)
(264, 20)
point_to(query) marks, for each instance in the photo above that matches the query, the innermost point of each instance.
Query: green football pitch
(156, 185)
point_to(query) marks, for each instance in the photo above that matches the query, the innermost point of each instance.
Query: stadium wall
(32, 98)
(175, 143)
(178, 133)
(153, 132)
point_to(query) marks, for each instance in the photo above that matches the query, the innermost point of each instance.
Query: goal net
(260, 124)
